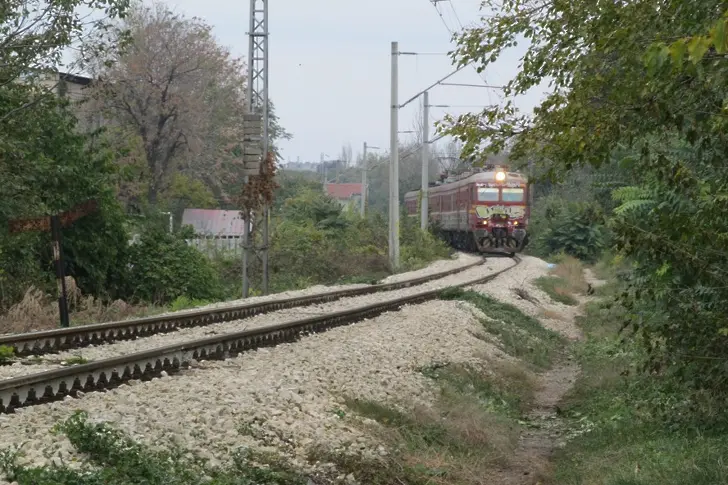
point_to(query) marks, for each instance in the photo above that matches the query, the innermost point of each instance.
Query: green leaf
(677, 52)
(697, 47)
(718, 35)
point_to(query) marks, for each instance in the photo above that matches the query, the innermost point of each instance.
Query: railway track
(54, 384)
(39, 343)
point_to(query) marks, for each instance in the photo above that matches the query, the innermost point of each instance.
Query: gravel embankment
(459, 259)
(186, 334)
(504, 287)
(294, 389)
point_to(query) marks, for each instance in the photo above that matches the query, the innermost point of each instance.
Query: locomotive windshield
(487, 194)
(512, 195)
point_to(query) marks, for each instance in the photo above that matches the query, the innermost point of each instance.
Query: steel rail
(48, 341)
(55, 384)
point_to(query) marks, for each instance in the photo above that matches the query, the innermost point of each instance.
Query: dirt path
(531, 462)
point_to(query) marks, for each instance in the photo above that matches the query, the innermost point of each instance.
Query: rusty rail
(38, 343)
(54, 384)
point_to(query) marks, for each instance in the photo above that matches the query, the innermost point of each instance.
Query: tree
(46, 166)
(33, 35)
(183, 94)
(642, 81)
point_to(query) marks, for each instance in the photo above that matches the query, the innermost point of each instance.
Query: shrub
(162, 267)
(577, 229)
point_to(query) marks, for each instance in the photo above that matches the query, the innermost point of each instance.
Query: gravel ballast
(289, 396)
(53, 361)
(503, 288)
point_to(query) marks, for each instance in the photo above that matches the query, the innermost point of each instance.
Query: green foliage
(163, 267)
(183, 302)
(653, 428)
(552, 286)
(113, 458)
(644, 85)
(520, 335)
(315, 241)
(503, 397)
(418, 247)
(184, 192)
(67, 168)
(574, 228)
(6, 353)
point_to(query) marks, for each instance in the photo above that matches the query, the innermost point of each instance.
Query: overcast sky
(330, 65)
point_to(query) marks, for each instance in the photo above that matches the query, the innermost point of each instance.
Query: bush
(162, 267)
(577, 229)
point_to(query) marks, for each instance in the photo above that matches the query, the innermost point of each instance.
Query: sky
(330, 65)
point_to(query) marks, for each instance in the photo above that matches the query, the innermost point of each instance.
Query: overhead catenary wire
(452, 33)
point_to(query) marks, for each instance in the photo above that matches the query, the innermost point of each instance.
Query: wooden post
(54, 223)
(60, 274)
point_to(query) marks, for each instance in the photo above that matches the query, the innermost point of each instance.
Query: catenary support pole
(257, 101)
(394, 163)
(266, 142)
(425, 159)
(364, 168)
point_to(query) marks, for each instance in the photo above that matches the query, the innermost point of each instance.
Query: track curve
(48, 341)
(54, 384)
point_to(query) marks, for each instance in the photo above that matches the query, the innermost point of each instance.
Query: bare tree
(180, 91)
(346, 155)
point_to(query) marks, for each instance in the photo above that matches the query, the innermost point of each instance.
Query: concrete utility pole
(424, 201)
(394, 163)
(364, 170)
(257, 100)
(323, 173)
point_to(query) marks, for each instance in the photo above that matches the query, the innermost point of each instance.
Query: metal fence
(231, 245)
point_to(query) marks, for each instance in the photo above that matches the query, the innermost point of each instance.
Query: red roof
(213, 222)
(343, 191)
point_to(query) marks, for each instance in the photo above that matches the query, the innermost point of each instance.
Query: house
(348, 195)
(215, 229)
(74, 88)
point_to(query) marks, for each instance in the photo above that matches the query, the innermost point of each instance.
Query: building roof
(343, 191)
(73, 78)
(213, 222)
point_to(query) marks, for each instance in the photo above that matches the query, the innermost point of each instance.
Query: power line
(457, 17)
(473, 85)
(424, 53)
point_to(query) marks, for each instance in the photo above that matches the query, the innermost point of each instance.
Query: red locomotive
(485, 210)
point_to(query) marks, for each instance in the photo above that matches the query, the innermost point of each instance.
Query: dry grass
(39, 311)
(571, 271)
(565, 281)
(553, 315)
(468, 433)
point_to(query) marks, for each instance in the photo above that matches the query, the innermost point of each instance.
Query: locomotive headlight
(500, 176)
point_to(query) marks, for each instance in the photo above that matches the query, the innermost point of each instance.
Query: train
(482, 210)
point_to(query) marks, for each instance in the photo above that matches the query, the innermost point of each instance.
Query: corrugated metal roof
(213, 222)
(343, 191)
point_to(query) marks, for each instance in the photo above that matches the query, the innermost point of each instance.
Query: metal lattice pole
(257, 103)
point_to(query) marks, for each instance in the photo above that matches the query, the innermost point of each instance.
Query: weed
(39, 311)
(6, 354)
(571, 271)
(557, 289)
(520, 335)
(75, 360)
(115, 459)
(183, 303)
(460, 438)
(631, 428)
(564, 281)
(553, 315)
(508, 391)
